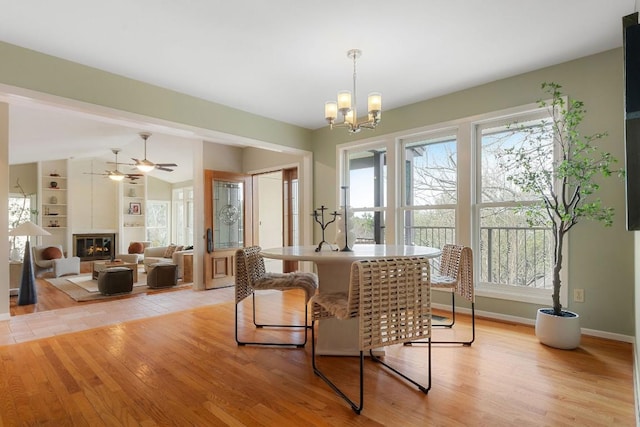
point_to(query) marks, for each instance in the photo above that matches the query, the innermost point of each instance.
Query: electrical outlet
(578, 295)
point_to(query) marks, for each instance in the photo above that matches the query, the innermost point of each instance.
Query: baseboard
(525, 321)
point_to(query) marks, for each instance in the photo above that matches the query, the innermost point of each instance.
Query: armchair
(60, 266)
(135, 253)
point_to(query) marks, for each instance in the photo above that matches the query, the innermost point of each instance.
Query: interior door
(228, 222)
(270, 215)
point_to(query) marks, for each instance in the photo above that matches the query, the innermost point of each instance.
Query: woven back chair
(251, 276)
(456, 275)
(391, 299)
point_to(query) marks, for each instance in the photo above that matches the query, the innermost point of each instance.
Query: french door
(228, 223)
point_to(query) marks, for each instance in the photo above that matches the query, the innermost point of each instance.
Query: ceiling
(283, 59)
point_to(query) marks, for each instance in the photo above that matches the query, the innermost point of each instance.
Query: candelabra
(319, 218)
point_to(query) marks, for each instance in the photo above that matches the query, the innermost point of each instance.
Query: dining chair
(251, 276)
(391, 300)
(456, 276)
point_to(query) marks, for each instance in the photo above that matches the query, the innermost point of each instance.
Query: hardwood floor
(185, 369)
(50, 298)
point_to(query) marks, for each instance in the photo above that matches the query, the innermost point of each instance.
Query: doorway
(276, 213)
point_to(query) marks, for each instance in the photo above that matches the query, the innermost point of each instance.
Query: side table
(187, 268)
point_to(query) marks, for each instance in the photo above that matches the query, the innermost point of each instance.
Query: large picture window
(443, 184)
(511, 253)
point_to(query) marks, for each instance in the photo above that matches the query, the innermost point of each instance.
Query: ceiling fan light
(116, 176)
(145, 166)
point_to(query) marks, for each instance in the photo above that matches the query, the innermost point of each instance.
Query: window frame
(499, 291)
(467, 210)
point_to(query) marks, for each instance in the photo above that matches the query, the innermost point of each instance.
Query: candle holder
(345, 214)
(318, 216)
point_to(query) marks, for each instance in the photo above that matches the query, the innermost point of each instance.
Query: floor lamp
(27, 293)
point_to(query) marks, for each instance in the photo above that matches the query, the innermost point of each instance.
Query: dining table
(340, 337)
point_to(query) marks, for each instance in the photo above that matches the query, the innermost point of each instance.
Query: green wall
(600, 259)
(28, 69)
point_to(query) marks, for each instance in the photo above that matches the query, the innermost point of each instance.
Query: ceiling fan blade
(167, 165)
(163, 169)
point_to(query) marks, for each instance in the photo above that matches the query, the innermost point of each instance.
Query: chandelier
(348, 108)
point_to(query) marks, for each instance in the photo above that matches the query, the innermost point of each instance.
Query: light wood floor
(185, 369)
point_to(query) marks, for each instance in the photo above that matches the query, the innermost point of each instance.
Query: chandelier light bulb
(374, 102)
(344, 101)
(330, 110)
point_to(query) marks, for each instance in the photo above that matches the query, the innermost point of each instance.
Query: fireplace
(94, 246)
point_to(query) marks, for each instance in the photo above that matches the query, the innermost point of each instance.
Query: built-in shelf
(54, 209)
(133, 225)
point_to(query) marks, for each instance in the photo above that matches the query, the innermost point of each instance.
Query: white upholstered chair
(391, 299)
(59, 266)
(136, 257)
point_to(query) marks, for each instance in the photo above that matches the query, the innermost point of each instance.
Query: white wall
(94, 199)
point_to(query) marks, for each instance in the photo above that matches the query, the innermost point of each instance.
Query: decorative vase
(561, 332)
(132, 192)
(53, 200)
(53, 184)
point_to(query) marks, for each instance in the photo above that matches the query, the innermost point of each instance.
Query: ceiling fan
(146, 165)
(116, 175)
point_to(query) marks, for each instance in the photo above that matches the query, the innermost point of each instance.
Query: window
(183, 216)
(442, 184)
(367, 193)
(19, 211)
(158, 222)
(511, 252)
(430, 194)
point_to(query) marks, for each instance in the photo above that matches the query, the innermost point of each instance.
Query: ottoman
(115, 280)
(162, 275)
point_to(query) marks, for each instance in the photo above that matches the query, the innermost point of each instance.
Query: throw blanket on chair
(283, 281)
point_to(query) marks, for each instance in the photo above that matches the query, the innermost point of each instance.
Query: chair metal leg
(356, 407)
(464, 343)
(424, 389)
(280, 344)
(453, 314)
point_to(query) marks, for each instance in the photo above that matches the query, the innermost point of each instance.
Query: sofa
(156, 254)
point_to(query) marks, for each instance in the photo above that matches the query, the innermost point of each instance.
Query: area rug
(82, 288)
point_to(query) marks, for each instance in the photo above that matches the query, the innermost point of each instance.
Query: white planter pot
(558, 331)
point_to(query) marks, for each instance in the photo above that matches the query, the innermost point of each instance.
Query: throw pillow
(51, 252)
(168, 253)
(136, 248)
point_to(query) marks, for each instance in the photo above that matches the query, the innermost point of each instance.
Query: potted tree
(560, 165)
